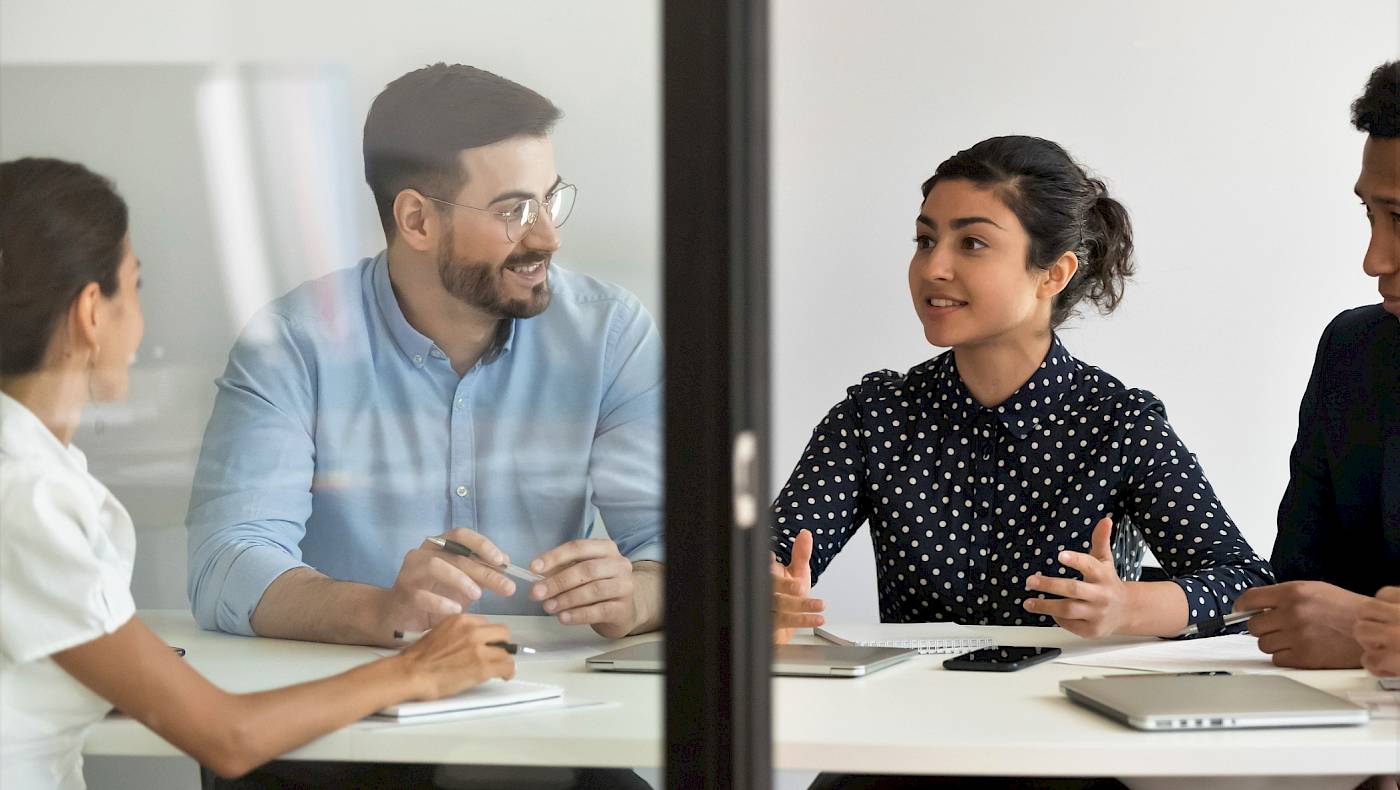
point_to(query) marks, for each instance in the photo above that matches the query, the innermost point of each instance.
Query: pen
(1230, 619)
(462, 551)
(509, 647)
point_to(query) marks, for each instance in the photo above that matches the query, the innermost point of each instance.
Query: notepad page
(494, 693)
(1230, 653)
(1380, 703)
(927, 638)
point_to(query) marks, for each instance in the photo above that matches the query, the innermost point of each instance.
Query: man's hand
(1377, 631)
(1308, 625)
(1097, 606)
(793, 604)
(433, 584)
(588, 581)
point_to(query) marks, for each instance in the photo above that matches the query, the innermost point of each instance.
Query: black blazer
(1339, 521)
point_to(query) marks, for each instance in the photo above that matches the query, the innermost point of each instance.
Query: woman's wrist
(1155, 609)
(400, 676)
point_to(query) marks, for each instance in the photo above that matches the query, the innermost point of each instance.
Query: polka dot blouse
(965, 501)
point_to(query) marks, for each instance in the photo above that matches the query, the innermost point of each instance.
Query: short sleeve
(61, 581)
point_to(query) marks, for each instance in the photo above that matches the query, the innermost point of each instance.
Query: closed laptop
(1210, 702)
(803, 660)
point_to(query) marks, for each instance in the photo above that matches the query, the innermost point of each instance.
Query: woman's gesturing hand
(793, 604)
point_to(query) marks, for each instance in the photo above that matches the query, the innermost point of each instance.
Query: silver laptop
(802, 660)
(1211, 702)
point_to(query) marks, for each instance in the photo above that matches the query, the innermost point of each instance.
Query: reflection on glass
(476, 375)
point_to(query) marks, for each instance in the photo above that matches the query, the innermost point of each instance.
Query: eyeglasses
(558, 205)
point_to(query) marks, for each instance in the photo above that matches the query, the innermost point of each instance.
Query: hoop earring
(98, 425)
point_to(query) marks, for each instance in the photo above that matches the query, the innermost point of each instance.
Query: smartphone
(1001, 659)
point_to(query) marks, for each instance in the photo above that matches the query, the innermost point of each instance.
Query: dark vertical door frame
(718, 625)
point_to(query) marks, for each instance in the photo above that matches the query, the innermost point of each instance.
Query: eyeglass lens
(559, 204)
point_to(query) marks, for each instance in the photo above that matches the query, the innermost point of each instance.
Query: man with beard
(458, 384)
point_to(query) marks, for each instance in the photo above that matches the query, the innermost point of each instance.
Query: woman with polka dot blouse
(992, 475)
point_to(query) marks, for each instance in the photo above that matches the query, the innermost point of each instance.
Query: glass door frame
(718, 624)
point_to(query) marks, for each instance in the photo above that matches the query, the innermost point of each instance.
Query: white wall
(600, 62)
(1223, 127)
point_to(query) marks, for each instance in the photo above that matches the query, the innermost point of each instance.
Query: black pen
(509, 647)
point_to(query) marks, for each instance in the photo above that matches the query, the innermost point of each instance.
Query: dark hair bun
(1062, 209)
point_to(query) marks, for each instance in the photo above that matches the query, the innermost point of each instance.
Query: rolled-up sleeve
(252, 485)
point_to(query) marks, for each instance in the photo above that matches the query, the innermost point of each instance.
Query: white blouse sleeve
(61, 581)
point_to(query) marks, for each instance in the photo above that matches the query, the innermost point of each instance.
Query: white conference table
(914, 718)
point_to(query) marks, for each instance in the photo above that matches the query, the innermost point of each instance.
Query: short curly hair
(1377, 111)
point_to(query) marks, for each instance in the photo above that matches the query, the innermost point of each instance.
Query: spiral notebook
(927, 638)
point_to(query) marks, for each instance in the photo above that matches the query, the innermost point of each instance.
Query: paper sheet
(1380, 703)
(1231, 653)
(575, 645)
(555, 705)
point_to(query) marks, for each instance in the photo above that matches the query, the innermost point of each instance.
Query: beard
(480, 284)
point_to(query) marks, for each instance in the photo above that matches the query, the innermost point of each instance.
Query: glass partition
(332, 398)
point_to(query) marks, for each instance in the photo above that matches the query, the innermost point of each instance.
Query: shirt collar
(24, 434)
(1024, 410)
(416, 346)
(505, 338)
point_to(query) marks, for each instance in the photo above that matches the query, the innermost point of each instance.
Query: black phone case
(988, 666)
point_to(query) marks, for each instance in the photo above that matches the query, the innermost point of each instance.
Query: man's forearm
(649, 578)
(305, 604)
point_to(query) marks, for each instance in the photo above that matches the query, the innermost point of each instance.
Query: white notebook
(494, 693)
(925, 637)
(1228, 653)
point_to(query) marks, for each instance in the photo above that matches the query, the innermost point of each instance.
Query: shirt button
(461, 490)
(417, 359)
(461, 402)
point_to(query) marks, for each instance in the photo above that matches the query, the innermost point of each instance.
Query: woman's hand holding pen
(1098, 605)
(793, 604)
(433, 584)
(1377, 630)
(460, 652)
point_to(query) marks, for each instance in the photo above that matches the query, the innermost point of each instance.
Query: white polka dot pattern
(965, 501)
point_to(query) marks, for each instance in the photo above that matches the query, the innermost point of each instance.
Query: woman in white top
(71, 646)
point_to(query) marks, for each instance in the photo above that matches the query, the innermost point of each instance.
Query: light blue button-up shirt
(341, 437)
